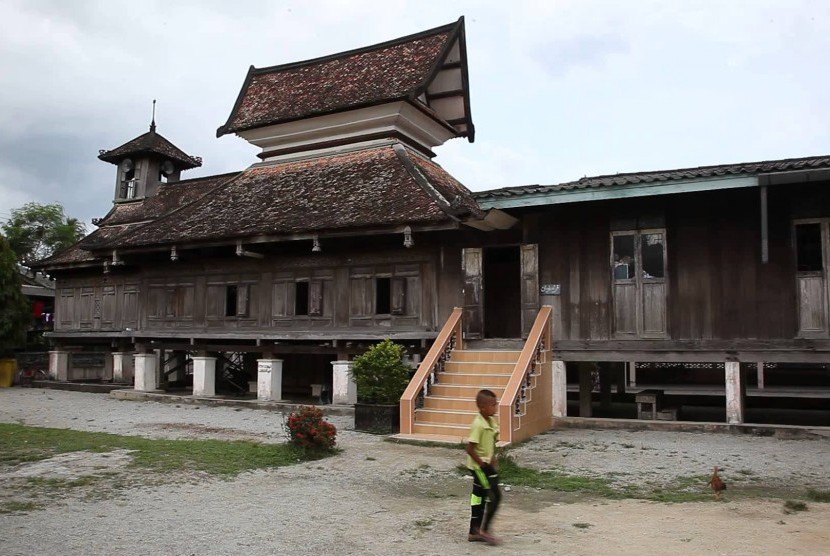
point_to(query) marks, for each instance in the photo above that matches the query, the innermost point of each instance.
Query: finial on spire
(153, 122)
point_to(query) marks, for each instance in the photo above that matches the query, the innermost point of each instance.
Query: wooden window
(398, 301)
(301, 299)
(383, 293)
(315, 298)
(236, 300)
(812, 252)
(639, 289)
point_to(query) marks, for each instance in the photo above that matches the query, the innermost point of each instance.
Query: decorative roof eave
(103, 253)
(150, 143)
(456, 32)
(458, 35)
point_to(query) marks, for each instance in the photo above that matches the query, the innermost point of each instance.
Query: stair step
(481, 367)
(475, 379)
(442, 417)
(506, 356)
(459, 431)
(495, 344)
(451, 404)
(468, 391)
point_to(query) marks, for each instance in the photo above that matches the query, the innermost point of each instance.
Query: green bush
(380, 374)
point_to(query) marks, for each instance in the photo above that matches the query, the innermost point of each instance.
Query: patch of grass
(627, 445)
(573, 445)
(424, 522)
(21, 444)
(792, 506)
(15, 507)
(747, 472)
(510, 472)
(818, 495)
(55, 483)
(582, 525)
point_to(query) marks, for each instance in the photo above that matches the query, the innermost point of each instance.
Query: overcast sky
(559, 89)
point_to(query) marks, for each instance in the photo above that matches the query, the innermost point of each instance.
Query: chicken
(717, 484)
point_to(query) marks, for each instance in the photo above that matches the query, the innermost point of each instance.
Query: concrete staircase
(450, 407)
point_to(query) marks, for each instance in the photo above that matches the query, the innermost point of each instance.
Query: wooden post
(585, 389)
(632, 373)
(605, 385)
(620, 368)
(760, 367)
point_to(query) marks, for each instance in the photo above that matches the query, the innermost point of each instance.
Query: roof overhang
(581, 195)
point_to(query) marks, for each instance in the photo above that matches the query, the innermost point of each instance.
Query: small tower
(146, 162)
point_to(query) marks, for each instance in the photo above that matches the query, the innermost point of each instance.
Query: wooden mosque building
(346, 232)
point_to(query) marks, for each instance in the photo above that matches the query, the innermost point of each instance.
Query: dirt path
(382, 498)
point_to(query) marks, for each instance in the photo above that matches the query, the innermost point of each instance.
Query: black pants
(485, 500)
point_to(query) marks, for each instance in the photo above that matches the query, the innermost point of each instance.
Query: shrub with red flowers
(308, 430)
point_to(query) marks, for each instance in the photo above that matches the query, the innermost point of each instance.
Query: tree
(36, 231)
(15, 312)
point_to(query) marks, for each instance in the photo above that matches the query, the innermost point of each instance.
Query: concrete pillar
(735, 393)
(560, 389)
(123, 369)
(269, 380)
(632, 373)
(59, 362)
(204, 376)
(344, 389)
(586, 388)
(146, 374)
(760, 367)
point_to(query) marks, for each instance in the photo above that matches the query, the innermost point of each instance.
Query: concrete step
(492, 356)
(457, 431)
(442, 417)
(480, 367)
(482, 380)
(446, 390)
(451, 404)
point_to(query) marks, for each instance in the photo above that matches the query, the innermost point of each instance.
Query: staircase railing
(525, 405)
(448, 339)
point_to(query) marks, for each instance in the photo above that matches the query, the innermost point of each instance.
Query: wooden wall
(718, 288)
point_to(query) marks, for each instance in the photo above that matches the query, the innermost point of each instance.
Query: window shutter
(315, 298)
(398, 296)
(242, 301)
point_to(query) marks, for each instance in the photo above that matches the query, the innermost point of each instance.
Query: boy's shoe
(475, 537)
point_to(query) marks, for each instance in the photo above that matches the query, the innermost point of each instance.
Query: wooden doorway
(501, 290)
(502, 294)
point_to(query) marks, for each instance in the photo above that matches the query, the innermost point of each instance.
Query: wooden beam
(445, 94)
(764, 226)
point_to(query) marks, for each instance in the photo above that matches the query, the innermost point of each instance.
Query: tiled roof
(169, 197)
(381, 186)
(744, 168)
(394, 70)
(151, 143)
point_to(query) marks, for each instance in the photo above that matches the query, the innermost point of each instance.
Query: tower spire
(153, 122)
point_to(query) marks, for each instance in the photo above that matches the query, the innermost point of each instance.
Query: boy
(481, 461)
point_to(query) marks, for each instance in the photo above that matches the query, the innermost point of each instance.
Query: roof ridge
(361, 50)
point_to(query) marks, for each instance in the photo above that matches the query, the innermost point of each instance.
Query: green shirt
(484, 433)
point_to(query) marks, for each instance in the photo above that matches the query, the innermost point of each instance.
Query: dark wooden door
(472, 269)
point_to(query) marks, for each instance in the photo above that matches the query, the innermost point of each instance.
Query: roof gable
(428, 69)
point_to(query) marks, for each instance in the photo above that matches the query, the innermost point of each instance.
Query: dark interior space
(502, 299)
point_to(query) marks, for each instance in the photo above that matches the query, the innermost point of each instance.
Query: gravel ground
(377, 497)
